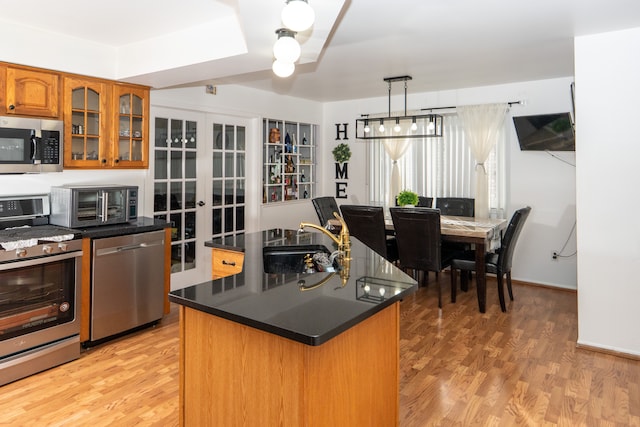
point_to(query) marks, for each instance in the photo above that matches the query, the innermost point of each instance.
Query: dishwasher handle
(119, 249)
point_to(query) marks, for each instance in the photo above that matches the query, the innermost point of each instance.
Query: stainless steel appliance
(127, 283)
(40, 269)
(79, 206)
(30, 145)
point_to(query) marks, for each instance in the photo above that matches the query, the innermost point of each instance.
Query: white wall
(607, 85)
(534, 178)
(42, 183)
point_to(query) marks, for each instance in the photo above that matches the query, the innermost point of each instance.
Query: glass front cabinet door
(131, 147)
(85, 130)
(106, 124)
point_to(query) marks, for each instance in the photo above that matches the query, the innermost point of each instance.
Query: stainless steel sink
(291, 259)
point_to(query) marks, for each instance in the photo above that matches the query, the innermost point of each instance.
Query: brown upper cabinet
(131, 126)
(106, 124)
(28, 92)
(86, 106)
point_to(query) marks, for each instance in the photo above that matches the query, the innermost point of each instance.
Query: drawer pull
(232, 263)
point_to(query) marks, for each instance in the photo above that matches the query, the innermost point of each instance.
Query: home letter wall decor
(342, 172)
(342, 131)
(341, 154)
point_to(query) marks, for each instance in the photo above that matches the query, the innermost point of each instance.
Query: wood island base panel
(232, 374)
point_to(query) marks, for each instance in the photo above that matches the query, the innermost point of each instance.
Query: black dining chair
(366, 223)
(456, 206)
(419, 242)
(325, 207)
(423, 202)
(498, 263)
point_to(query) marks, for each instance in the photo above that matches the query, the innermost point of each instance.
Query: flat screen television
(545, 132)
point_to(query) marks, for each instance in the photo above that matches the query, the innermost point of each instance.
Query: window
(438, 167)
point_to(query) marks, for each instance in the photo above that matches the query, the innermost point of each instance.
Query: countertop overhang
(279, 307)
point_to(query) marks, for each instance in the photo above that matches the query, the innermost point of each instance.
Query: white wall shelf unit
(289, 161)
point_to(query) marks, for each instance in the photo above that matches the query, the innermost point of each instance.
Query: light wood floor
(463, 368)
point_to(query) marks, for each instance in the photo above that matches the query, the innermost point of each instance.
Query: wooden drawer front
(225, 263)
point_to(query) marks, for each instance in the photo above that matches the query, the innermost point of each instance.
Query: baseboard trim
(542, 285)
(608, 351)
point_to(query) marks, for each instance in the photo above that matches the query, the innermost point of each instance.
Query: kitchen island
(267, 347)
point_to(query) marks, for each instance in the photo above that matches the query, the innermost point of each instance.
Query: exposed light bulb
(414, 125)
(282, 68)
(431, 126)
(298, 15)
(396, 128)
(381, 128)
(366, 127)
(286, 47)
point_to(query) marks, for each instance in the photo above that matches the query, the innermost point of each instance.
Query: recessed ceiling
(351, 48)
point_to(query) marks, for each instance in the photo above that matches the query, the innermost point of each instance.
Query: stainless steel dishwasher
(127, 283)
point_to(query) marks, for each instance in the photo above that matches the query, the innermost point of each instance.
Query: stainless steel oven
(40, 270)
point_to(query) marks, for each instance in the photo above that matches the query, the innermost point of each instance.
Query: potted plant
(407, 198)
(341, 153)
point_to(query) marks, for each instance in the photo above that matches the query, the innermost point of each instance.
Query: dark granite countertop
(141, 225)
(274, 302)
(26, 236)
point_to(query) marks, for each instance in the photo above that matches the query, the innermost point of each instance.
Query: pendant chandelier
(381, 126)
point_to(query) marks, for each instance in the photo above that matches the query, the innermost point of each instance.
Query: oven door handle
(39, 260)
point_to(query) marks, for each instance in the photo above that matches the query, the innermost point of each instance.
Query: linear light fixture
(400, 127)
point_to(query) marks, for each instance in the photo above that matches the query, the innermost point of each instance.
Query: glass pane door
(228, 181)
(86, 124)
(199, 185)
(178, 197)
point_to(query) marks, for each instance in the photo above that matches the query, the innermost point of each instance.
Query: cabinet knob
(116, 161)
(103, 161)
(200, 203)
(12, 107)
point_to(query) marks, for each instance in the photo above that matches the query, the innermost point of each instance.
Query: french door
(198, 185)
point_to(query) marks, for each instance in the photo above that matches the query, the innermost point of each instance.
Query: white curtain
(395, 149)
(482, 124)
(439, 167)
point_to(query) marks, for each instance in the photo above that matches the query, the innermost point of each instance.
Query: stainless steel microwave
(30, 145)
(79, 206)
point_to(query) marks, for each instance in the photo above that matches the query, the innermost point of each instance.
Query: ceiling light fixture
(367, 129)
(286, 48)
(298, 15)
(283, 68)
(397, 127)
(414, 126)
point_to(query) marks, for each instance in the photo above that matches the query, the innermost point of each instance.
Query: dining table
(484, 234)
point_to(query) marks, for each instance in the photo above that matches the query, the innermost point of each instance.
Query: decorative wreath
(341, 153)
